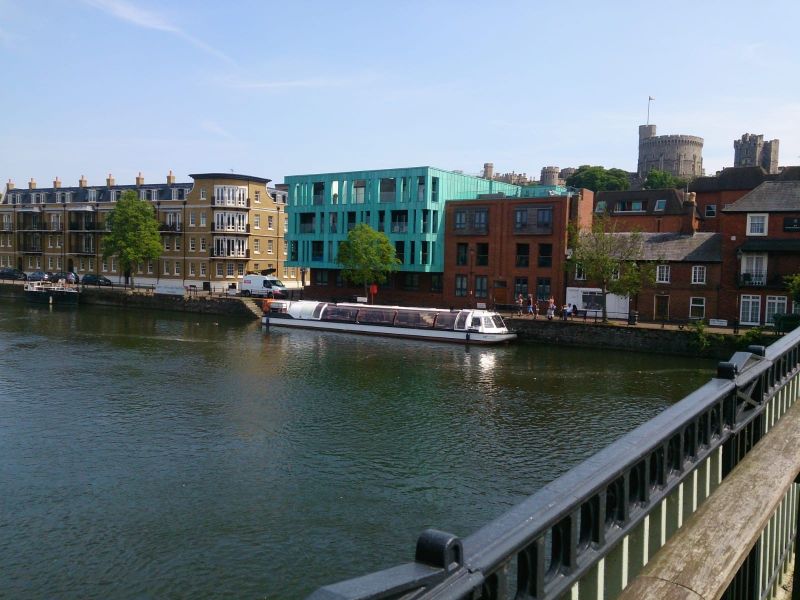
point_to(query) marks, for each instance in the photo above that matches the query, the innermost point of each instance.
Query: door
(661, 308)
(750, 312)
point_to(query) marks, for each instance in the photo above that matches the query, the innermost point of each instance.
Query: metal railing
(589, 532)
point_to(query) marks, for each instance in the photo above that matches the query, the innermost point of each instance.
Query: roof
(674, 247)
(229, 176)
(674, 198)
(731, 178)
(770, 196)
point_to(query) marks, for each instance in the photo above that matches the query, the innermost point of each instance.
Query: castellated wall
(681, 155)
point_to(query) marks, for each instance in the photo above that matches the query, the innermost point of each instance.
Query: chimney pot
(10, 185)
(170, 178)
(139, 180)
(56, 183)
(32, 184)
(110, 180)
(82, 181)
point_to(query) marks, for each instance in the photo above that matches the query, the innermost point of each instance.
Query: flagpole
(649, 100)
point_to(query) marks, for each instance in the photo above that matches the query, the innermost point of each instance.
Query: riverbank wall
(213, 305)
(689, 341)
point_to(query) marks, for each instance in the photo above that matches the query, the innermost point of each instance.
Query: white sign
(718, 322)
(481, 305)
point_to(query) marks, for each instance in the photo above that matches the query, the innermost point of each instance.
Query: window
(545, 255)
(105, 266)
(229, 271)
(523, 256)
(520, 218)
(192, 271)
(461, 254)
(698, 274)
(601, 206)
(543, 288)
(697, 308)
(257, 246)
(191, 219)
(630, 206)
(202, 244)
(177, 243)
(166, 267)
(754, 269)
(257, 221)
(580, 274)
(460, 220)
(50, 262)
(776, 305)
(149, 267)
(270, 221)
(481, 218)
(203, 269)
(258, 196)
(662, 274)
(167, 243)
(191, 244)
(202, 193)
(661, 204)
(436, 282)
(711, 210)
(756, 224)
(750, 311)
(202, 219)
(177, 268)
(461, 285)
(521, 286)
(240, 269)
(219, 270)
(410, 281)
(482, 255)
(269, 246)
(481, 286)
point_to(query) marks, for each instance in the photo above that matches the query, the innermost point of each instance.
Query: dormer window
(630, 206)
(601, 207)
(661, 204)
(92, 195)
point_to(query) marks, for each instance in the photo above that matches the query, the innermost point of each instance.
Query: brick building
(498, 247)
(761, 245)
(667, 210)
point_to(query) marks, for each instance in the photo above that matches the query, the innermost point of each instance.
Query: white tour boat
(467, 325)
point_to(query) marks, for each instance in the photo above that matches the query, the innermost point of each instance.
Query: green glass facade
(406, 204)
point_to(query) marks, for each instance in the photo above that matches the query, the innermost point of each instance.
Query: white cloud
(216, 128)
(126, 11)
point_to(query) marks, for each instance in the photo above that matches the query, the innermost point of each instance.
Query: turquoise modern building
(406, 204)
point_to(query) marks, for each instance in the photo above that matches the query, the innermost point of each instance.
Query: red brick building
(761, 245)
(655, 211)
(497, 247)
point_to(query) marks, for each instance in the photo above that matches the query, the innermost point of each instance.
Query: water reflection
(158, 454)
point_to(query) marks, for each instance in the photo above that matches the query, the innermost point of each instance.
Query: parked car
(64, 276)
(38, 276)
(12, 273)
(95, 279)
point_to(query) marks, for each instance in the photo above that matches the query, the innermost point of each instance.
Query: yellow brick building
(214, 229)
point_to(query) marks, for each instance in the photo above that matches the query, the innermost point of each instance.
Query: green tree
(610, 260)
(367, 256)
(599, 179)
(659, 180)
(133, 235)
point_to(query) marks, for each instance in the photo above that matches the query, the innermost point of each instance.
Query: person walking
(530, 304)
(519, 305)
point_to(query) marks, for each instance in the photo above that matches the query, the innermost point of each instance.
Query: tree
(613, 261)
(367, 256)
(133, 235)
(793, 286)
(659, 180)
(599, 179)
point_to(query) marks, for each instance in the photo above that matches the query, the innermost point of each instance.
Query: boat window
(487, 322)
(476, 323)
(445, 320)
(340, 313)
(461, 321)
(498, 321)
(318, 309)
(413, 318)
(377, 316)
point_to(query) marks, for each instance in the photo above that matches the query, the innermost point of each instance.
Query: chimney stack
(689, 221)
(10, 185)
(56, 183)
(82, 182)
(139, 180)
(170, 178)
(32, 184)
(110, 180)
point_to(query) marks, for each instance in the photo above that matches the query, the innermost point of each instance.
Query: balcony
(6, 227)
(308, 228)
(85, 226)
(399, 227)
(221, 203)
(37, 248)
(533, 229)
(753, 279)
(232, 229)
(169, 227)
(223, 254)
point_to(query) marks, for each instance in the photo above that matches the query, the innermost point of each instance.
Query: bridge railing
(592, 530)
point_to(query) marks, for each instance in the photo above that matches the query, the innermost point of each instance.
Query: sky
(265, 88)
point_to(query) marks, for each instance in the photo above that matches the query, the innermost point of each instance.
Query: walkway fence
(589, 533)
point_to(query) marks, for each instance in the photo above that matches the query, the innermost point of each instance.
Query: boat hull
(460, 337)
(58, 297)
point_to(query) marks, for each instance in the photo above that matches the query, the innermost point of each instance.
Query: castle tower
(680, 155)
(752, 151)
(549, 176)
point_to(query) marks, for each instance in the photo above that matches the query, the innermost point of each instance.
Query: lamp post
(302, 280)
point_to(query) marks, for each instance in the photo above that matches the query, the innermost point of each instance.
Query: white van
(263, 285)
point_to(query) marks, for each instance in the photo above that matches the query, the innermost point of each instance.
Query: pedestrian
(565, 310)
(535, 308)
(530, 304)
(519, 305)
(574, 310)
(551, 310)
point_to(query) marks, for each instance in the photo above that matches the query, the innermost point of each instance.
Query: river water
(153, 455)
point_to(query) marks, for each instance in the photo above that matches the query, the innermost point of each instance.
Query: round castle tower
(681, 155)
(549, 176)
